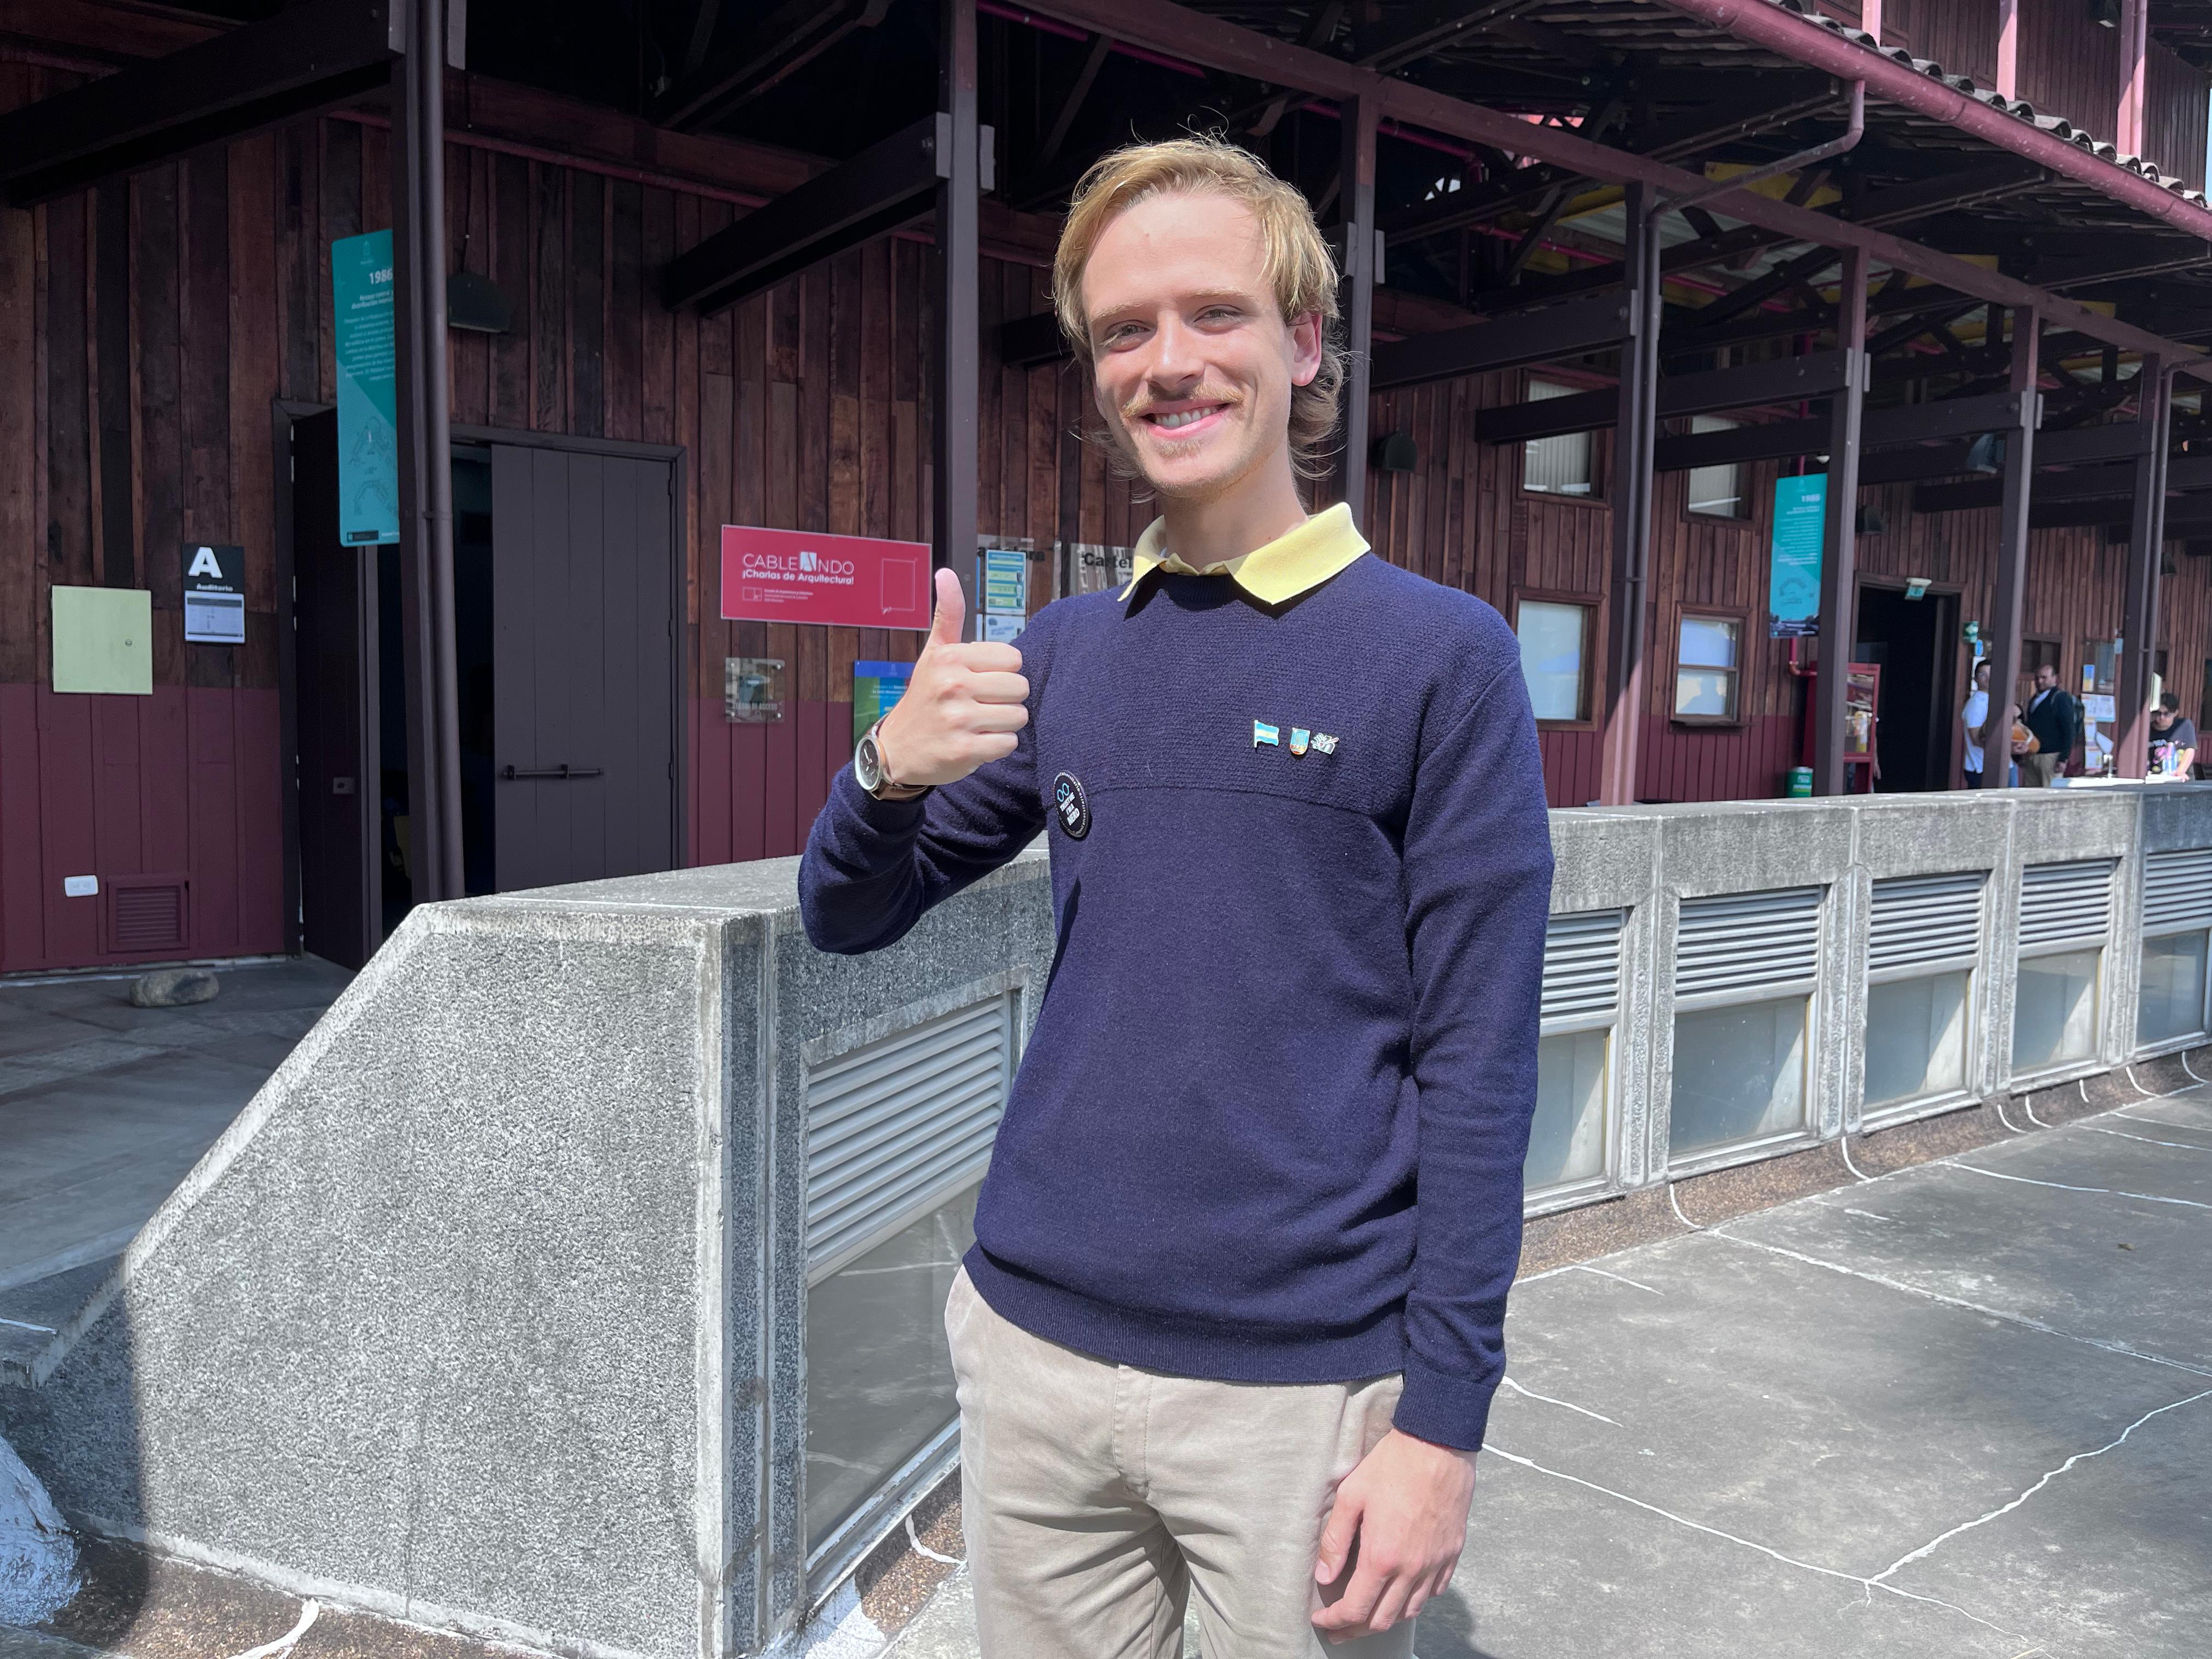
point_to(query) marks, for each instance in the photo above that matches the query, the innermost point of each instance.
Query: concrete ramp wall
(486, 1313)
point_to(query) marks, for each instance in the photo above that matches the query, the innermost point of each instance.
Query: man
(2054, 722)
(1973, 716)
(1233, 1312)
(2173, 741)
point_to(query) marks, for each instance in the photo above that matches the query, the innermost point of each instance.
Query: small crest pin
(1299, 739)
(1323, 743)
(1263, 732)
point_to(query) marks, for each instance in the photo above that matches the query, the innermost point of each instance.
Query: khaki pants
(1096, 1496)
(2036, 771)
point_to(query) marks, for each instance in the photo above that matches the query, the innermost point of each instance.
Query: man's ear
(1305, 347)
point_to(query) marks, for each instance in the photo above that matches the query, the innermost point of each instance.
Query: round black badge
(1071, 806)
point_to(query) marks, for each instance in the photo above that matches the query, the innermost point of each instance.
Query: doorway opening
(567, 582)
(1915, 644)
(472, 624)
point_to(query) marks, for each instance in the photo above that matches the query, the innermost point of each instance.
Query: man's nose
(1175, 360)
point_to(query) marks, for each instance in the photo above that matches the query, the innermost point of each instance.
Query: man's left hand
(1405, 1508)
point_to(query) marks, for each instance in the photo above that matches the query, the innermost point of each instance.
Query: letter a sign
(214, 594)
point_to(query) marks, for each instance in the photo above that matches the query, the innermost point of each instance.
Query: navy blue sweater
(1270, 1124)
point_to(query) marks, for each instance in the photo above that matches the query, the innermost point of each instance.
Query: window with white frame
(1554, 638)
(1574, 1054)
(899, 1134)
(2176, 918)
(1708, 669)
(2065, 916)
(1923, 940)
(1722, 491)
(1745, 968)
(1559, 465)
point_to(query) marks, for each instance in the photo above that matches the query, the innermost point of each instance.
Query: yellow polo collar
(1290, 565)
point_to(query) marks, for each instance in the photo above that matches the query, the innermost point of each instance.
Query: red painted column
(2008, 48)
(2135, 51)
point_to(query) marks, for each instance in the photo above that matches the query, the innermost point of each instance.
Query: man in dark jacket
(2054, 719)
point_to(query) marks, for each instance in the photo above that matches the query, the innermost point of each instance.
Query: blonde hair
(1299, 266)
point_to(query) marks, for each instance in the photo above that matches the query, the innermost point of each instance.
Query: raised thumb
(951, 610)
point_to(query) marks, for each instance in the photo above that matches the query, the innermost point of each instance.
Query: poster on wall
(1793, 587)
(1004, 582)
(806, 576)
(214, 594)
(876, 688)
(367, 361)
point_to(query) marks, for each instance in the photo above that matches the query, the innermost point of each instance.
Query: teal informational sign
(876, 688)
(367, 387)
(1006, 581)
(1793, 583)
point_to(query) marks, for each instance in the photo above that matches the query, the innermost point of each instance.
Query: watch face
(868, 765)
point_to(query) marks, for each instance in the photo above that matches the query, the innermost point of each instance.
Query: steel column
(1634, 434)
(1840, 559)
(2012, 550)
(1356, 191)
(2146, 550)
(955, 419)
(425, 438)
(2135, 52)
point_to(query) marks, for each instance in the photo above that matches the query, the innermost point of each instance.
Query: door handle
(510, 774)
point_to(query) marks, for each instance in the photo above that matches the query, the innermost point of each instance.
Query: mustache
(1144, 403)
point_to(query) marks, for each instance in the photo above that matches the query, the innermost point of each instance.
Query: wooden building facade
(160, 331)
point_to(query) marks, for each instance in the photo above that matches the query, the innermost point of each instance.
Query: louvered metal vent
(894, 1125)
(2178, 890)
(1923, 920)
(2065, 900)
(1581, 964)
(146, 914)
(1748, 941)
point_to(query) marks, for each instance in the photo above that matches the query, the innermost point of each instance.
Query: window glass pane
(878, 1376)
(1567, 1140)
(1717, 490)
(2054, 1010)
(2172, 1004)
(1552, 657)
(1560, 465)
(1707, 642)
(1739, 1075)
(1916, 1041)
(1706, 691)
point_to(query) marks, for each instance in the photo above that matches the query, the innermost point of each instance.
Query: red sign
(846, 582)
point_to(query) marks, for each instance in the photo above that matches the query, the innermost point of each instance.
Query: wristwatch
(868, 771)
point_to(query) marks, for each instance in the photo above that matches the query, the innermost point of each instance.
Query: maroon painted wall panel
(185, 780)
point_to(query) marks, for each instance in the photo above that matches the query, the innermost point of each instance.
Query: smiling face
(2046, 677)
(1194, 362)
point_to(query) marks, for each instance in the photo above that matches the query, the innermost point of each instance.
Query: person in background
(2173, 741)
(2055, 719)
(1973, 717)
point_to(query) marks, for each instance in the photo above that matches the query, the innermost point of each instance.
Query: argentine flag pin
(1263, 732)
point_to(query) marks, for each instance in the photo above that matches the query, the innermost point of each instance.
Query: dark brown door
(334, 613)
(583, 654)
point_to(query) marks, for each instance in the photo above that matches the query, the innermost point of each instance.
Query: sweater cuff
(885, 817)
(1444, 1410)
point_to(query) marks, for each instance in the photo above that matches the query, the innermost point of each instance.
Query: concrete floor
(105, 1107)
(1961, 1412)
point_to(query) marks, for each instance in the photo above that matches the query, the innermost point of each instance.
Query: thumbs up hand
(961, 708)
